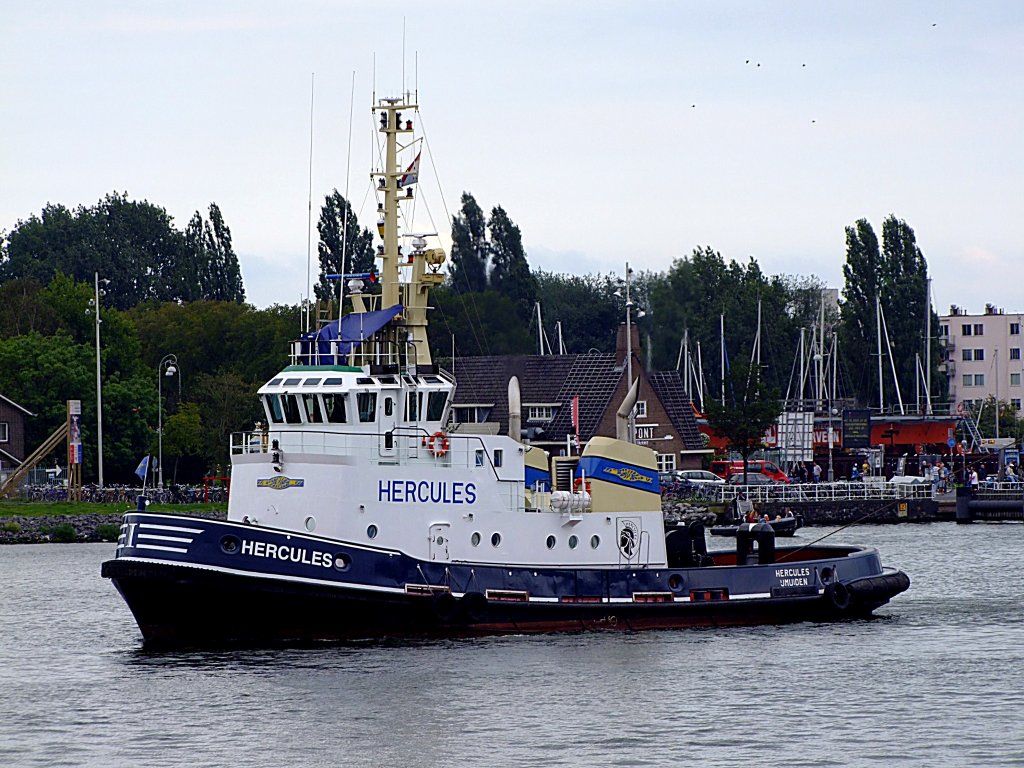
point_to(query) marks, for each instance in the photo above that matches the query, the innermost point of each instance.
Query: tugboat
(356, 512)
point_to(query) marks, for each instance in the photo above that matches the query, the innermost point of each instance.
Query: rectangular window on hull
(335, 406)
(367, 403)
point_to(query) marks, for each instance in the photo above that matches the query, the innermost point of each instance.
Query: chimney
(620, 343)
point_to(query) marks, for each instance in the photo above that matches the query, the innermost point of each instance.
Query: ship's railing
(824, 492)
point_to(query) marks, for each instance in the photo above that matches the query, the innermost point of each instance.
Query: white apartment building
(982, 356)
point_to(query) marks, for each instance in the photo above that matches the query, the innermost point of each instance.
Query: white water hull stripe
(155, 537)
(369, 588)
(162, 549)
(178, 528)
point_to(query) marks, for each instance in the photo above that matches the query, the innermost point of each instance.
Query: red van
(724, 468)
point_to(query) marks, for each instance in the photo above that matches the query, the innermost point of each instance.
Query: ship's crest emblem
(280, 482)
(628, 475)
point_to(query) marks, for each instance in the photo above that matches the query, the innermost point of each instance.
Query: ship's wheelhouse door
(389, 406)
(439, 542)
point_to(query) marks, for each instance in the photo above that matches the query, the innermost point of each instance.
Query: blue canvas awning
(357, 327)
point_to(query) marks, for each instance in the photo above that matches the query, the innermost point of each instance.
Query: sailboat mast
(878, 342)
(928, 346)
(721, 334)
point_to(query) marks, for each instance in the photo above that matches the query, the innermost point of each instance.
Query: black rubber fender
(473, 605)
(838, 596)
(446, 607)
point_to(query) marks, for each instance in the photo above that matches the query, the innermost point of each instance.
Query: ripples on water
(934, 681)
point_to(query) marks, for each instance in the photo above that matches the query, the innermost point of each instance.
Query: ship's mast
(391, 181)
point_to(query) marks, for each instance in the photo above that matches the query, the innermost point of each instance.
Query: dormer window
(540, 413)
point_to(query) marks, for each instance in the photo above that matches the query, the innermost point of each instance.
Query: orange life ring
(578, 482)
(438, 444)
(960, 408)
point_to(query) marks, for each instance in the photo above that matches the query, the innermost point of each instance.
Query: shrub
(11, 527)
(108, 531)
(64, 532)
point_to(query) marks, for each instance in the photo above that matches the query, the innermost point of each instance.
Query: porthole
(573, 541)
(675, 582)
(371, 531)
(595, 541)
(495, 539)
(230, 545)
(551, 542)
(342, 561)
(826, 575)
(475, 539)
(310, 523)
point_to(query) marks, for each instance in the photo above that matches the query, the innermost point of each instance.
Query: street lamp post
(94, 308)
(168, 366)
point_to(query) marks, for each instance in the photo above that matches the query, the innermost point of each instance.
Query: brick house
(12, 435)
(664, 416)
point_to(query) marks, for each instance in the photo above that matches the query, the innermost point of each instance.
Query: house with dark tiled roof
(12, 435)
(664, 417)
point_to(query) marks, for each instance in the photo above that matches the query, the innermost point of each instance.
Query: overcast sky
(608, 131)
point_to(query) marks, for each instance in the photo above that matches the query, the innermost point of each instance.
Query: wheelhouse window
(290, 403)
(413, 406)
(334, 404)
(436, 402)
(313, 413)
(273, 405)
(499, 457)
(5, 432)
(367, 405)
(389, 406)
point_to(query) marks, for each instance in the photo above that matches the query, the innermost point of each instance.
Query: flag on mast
(412, 173)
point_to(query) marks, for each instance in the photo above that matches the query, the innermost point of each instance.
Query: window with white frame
(965, 329)
(968, 380)
(979, 329)
(1015, 402)
(1015, 353)
(5, 432)
(967, 354)
(979, 379)
(539, 412)
(641, 409)
(979, 354)
(666, 462)
(1014, 379)
(943, 330)
(1015, 329)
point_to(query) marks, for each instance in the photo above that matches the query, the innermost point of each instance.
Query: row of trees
(182, 292)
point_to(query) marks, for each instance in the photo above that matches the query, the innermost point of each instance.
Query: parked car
(699, 476)
(753, 478)
(724, 468)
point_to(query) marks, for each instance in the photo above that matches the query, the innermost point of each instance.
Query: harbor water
(935, 680)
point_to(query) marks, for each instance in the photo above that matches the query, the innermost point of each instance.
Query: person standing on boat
(974, 481)
(817, 472)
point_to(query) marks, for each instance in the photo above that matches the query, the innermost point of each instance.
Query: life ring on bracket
(438, 444)
(960, 408)
(577, 485)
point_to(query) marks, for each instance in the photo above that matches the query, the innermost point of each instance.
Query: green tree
(343, 247)
(510, 272)
(132, 244)
(23, 309)
(183, 435)
(749, 411)
(227, 404)
(585, 305)
(897, 277)
(467, 269)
